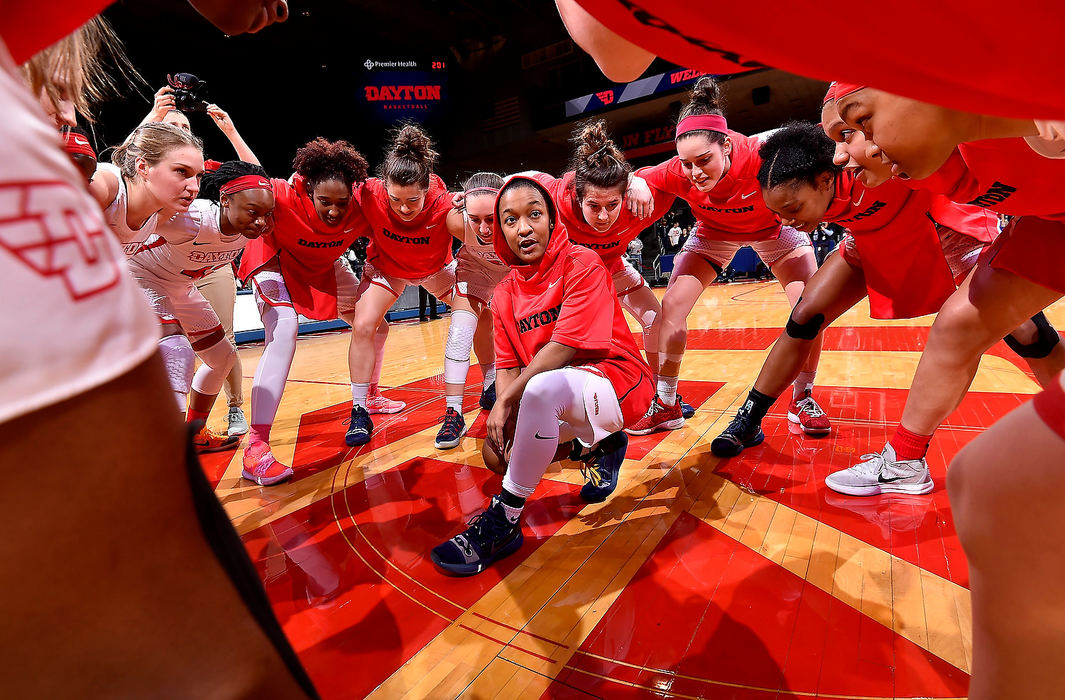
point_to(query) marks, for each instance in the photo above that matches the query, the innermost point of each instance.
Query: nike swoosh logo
(749, 194)
(538, 436)
(80, 141)
(860, 199)
(552, 284)
(194, 243)
(882, 480)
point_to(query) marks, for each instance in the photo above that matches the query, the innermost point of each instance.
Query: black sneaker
(741, 432)
(360, 427)
(488, 397)
(490, 537)
(686, 409)
(452, 431)
(602, 466)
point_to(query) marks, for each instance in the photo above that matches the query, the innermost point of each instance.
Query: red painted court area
(700, 588)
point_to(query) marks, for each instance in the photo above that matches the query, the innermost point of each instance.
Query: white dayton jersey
(185, 249)
(115, 214)
(479, 269)
(73, 318)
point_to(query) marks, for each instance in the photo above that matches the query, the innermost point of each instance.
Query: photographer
(166, 109)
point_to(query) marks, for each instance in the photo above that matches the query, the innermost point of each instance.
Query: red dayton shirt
(409, 250)
(611, 244)
(978, 56)
(568, 297)
(905, 272)
(305, 247)
(1006, 176)
(733, 210)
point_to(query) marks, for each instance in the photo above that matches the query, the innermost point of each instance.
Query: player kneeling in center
(566, 365)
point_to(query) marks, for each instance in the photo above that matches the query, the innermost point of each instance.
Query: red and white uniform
(297, 263)
(563, 298)
(74, 319)
(129, 238)
(1007, 177)
(408, 252)
(733, 214)
(478, 269)
(610, 245)
(1001, 60)
(188, 248)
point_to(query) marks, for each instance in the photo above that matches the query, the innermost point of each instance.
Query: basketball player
(406, 209)
(565, 368)
(715, 172)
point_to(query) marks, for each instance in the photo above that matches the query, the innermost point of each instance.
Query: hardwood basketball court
(700, 578)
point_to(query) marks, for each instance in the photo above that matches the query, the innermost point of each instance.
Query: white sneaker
(238, 424)
(882, 473)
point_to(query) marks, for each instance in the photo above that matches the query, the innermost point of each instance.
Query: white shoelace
(810, 406)
(872, 463)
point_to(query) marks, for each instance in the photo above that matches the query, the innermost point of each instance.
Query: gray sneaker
(882, 473)
(238, 425)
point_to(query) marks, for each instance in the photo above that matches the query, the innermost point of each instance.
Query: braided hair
(797, 152)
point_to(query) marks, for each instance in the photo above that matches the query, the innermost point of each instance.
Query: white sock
(454, 402)
(489, 375)
(358, 393)
(667, 389)
(513, 514)
(803, 383)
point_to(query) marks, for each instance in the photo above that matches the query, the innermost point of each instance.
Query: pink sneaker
(808, 415)
(376, 402)
(261, 467)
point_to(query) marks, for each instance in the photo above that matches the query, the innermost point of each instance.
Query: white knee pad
(179, 359)
(217, 361)
(459, 343)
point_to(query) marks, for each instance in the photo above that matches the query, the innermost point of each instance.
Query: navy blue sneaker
(452, 431)
(602, 466)
(686, 409)
(741, 433)
(490, 537)
(488, 397)
(360, 427)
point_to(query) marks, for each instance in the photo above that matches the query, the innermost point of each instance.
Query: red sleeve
(503, 321)
(28, 27)
(586, 319)
(659, 178)
(550, 183)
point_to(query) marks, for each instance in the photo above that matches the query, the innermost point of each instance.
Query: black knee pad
(1046, 340)
(804, 331)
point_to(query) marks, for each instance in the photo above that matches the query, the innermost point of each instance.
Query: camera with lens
(188, 92)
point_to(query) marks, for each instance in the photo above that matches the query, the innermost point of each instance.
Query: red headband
(209, 166)
(246, 182)
(74, 142)
(492, 190)
(844, 89)
(830, 96)
(702, 122)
